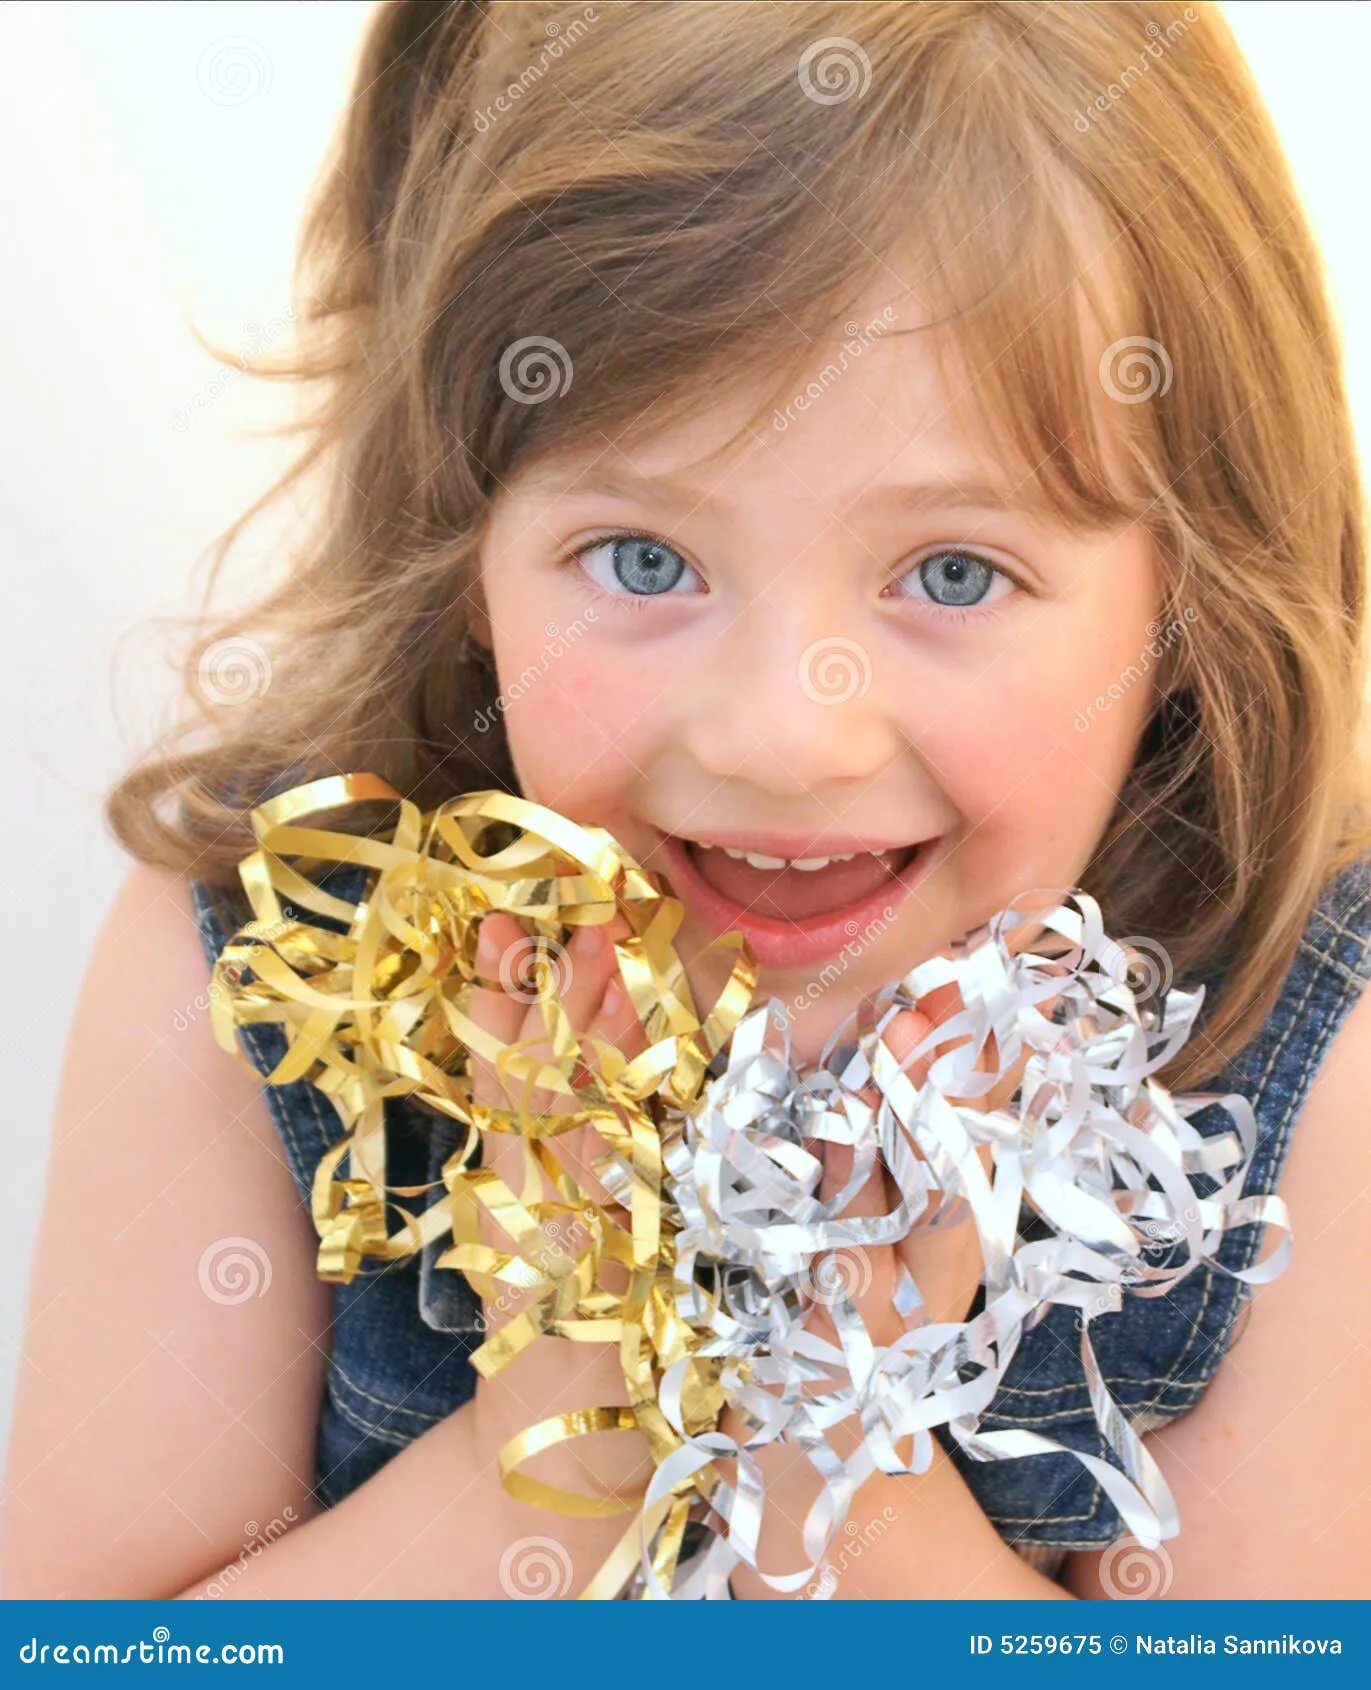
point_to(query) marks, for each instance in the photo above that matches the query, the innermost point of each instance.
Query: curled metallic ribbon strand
(708, 1129)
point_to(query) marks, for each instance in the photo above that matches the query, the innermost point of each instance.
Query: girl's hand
(944, 1261)
(554, 1374)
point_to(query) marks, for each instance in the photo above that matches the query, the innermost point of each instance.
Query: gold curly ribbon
(382, 1011)
(709, 1160)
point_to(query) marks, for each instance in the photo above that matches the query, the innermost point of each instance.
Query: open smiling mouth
(795, 910)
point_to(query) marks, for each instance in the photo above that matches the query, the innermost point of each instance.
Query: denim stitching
(1273, 1162)
(381, 1402)
(1339, 927)
(385, 1433)
(1079, 1386)
(1083, 1393)
(1349, 975)
(1218, 1348)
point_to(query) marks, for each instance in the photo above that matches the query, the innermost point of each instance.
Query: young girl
(872, 459)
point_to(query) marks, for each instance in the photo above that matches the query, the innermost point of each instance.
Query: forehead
(926, 372)
(890, 396)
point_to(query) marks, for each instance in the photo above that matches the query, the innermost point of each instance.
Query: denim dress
(403, 1332)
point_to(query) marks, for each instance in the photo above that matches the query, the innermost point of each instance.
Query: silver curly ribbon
(1103, 1154)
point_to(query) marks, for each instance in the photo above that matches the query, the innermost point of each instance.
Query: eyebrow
(962, 493)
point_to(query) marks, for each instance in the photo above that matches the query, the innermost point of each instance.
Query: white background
(157, 157)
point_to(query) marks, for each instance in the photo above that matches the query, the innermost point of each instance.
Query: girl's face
(856, 636)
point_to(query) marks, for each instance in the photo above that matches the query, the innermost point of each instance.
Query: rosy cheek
(993, 732)
(578, 728)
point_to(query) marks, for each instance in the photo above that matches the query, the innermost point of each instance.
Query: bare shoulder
(1269, 1506)
(174, 1345)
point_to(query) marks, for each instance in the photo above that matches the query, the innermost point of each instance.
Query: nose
(793, 705)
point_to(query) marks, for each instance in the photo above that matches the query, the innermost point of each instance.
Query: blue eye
(635, 565)
(957, 580)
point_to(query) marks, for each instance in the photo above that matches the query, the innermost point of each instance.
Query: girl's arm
(177, 1333)
(175, 1342)
(921, 1535)
(435, 1522)
(1268, 1471)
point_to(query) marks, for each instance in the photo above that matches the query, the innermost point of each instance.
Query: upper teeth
(759, 861)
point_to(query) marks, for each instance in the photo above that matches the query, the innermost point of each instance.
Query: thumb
(902, 1035)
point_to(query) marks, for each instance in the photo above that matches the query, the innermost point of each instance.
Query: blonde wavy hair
(686, 203)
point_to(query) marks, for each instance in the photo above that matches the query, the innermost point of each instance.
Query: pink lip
(792, 944)
(793, 845)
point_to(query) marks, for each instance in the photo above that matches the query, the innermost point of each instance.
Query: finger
(614, 1024)
(513, 1013)
(510, 1012)
(584, 971)
(511, 1009)
(876, 1195)
(907, 1031)
(585, 967)
(910, 1028)
(491, 1007)
(581, 971)
(497, 1013)
(941, 1005)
